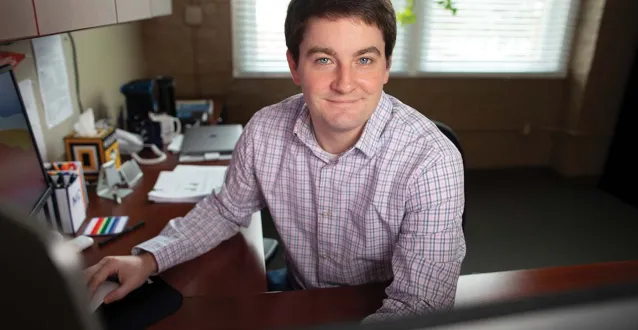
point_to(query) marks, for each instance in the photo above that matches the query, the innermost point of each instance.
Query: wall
(601, 60)
(107, 57)
(488, 114)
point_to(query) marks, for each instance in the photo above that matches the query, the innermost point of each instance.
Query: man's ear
(292, 65)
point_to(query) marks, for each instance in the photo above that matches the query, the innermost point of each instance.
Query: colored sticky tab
(89, 228)
(98, 225)
(121, 223)
(112, 223)
(105, 226)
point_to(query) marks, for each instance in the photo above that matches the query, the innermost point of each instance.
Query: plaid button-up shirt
(388, 209)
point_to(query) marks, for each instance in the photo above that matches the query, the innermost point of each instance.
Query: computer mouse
(101, 292)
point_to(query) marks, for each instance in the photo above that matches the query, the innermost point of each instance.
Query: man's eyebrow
(329, 51)
(325, 50)
(371, 49)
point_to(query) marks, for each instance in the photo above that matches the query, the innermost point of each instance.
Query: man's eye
(365, 61)
(323, 60)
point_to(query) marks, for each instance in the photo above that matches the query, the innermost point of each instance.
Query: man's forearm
(213, 219)
(190, 236)
(150, 264)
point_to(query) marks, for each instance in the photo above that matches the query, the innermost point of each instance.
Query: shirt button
(325, 213)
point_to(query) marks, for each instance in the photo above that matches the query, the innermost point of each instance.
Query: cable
(161, 156)
(77, 75)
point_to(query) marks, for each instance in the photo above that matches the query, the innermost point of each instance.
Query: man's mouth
(339, 101)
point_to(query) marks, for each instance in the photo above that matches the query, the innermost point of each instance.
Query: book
(187, 183)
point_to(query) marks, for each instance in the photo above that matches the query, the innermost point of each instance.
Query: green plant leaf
(408, 17)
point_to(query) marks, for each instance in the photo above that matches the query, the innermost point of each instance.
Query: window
(485, 37)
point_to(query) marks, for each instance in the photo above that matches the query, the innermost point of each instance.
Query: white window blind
(485, 37)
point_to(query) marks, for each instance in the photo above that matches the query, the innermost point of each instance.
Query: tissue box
(92, 152)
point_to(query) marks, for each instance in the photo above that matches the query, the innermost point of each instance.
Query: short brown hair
(372, 12)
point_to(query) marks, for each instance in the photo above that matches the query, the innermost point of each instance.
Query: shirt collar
(367, 143)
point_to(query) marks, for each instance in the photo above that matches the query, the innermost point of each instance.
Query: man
(362, 188)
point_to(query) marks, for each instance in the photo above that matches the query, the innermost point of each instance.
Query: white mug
(170, 126)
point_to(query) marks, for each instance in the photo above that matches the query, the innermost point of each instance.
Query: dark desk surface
(348, 304)
(229, 269)
(225, 288)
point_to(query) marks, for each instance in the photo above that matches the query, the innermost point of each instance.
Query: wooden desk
(225, 288)
(229, 269)
(351, 304)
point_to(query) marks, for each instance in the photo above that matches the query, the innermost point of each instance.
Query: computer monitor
(23, 180)
(609, 307)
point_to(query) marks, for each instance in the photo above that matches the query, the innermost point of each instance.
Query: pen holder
(55, 168)
(66, 203)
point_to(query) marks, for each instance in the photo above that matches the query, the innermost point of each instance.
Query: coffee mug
(170, 126)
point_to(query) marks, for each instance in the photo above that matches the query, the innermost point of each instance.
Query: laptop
(201, 140)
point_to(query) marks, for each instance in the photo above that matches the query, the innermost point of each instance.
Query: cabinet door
(68, 15)
(17, 19)
(132, 10)
(161, 7)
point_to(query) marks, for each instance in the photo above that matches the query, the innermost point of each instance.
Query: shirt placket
(325, 232)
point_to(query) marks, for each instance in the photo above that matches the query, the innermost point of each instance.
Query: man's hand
(132, 272)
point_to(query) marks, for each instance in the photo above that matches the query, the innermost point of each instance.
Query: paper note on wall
(28, 97)
(53, 79)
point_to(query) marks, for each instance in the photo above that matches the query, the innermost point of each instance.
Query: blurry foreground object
(41, 277)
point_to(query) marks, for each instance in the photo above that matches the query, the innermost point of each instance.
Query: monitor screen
(22, 177)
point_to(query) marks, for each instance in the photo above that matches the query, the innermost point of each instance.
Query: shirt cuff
(159, 247)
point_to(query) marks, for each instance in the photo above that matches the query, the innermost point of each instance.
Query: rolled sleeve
(213, 219)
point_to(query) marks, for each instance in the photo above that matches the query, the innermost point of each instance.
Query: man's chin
(345, 126)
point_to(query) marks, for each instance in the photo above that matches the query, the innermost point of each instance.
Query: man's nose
(344, 80)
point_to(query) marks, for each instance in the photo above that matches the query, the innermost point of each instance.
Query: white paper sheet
(187, 184)
(53, 79)
(28, 97)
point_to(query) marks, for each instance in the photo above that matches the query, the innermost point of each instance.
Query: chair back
(449, 133)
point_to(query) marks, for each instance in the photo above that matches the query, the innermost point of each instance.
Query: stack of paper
(187, 184)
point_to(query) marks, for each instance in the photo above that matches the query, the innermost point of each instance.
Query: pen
(125, 231)
(60, 183)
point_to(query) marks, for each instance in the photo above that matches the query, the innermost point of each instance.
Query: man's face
(341, 71)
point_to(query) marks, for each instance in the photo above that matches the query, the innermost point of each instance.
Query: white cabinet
(68, 15)
(132, 10)
(161, 7)
(17, 19)
(21, 19)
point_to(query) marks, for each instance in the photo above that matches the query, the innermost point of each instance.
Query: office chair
(449, 133)
(270, 247)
